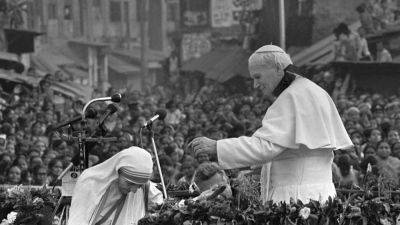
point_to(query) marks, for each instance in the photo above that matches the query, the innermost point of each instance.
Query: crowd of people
(378, 15)
(376, 18)
(33, 153)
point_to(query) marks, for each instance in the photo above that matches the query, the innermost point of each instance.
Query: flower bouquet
(23, 206)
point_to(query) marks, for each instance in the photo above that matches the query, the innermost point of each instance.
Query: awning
(120, 66)
(69, 89)
(154, 57)
(10, 61)
(48, 61)
(73, 90)
(221, 64)
(18, 78)
(76, 72)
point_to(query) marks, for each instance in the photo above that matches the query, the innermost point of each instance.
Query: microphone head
(76, 159)
(161, 114)
(113, 108)
(116, 97)
(91, 113)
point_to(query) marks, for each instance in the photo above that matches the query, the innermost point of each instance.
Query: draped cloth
(303, 115)
(295, 145)
(96, 191)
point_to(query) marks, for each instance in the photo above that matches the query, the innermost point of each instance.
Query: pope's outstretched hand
(204, 145)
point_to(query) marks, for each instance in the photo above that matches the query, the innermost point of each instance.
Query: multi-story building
(87, 30)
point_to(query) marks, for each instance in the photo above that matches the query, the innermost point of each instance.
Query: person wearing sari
(115, 192)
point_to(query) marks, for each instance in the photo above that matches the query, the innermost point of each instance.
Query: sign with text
(221, 13)
(195, 13)
(225, 13)
(195, 45)
(69, 181)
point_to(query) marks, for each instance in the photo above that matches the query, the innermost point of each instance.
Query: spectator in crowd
(55, 169)
(14, 176)
(387, 17)
(5, 164)
(363, 53)
(40, 175)
(393, 137)
(174, 115)
(383, 55)
(347, 175)
(388, 166)
(209, 176)
(345, 46)
(396, 150)
(374, 8)
(188, 170)
(366, 19)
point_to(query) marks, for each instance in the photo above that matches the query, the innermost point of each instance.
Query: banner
(195, 13)
(226, 13)
(221, 13)
(195, 45)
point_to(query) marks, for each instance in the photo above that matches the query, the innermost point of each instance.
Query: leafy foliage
(32, 206)
(375, 204)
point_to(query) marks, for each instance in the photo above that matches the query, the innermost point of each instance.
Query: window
(52, 9)
(115, 11)
(97, 3)
(138, 10)
(68, 12)
(172, 12)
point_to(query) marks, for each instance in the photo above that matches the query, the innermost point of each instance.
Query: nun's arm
(246, 151)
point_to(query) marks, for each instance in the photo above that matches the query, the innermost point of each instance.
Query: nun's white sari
(295, 145)
(96, 191)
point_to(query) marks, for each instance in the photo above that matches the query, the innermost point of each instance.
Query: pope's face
(265, 78)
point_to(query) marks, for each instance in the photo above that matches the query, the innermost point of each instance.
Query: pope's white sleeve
(246, 151)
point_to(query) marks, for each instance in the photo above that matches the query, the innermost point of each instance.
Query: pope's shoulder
(302, 84)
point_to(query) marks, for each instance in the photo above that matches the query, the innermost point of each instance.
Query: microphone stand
(83, 152)
(150, 127)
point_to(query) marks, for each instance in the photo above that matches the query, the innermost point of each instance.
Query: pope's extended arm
(246, 151)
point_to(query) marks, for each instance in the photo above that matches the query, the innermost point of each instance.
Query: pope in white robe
(115, 192)
(299, 133)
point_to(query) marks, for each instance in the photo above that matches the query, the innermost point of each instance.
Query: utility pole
(144, 42)
(282, 34)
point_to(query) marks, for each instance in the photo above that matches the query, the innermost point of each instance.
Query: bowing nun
(299, 133)
(115, 192)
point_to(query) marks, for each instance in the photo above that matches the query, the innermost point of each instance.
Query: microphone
(160, 114)
(114, 98)
(90, 113)
(74, 162)
(111, 109)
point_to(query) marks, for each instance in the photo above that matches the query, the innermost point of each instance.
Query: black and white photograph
(199, 112)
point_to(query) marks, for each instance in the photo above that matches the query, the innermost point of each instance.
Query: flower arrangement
(23, 206)
(375, 204)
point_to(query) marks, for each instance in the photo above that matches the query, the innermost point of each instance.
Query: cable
(140, 135)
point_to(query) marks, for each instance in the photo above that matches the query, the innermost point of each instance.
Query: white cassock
(295, 145)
